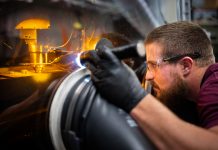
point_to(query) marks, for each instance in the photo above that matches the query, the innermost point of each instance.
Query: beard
(176, 98)
(175, 95)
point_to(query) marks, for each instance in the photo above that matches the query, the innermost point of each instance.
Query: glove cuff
(132, 103)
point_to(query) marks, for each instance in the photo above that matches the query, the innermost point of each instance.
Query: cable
(54, 48)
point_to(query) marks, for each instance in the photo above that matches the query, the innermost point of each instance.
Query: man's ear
(186, 65)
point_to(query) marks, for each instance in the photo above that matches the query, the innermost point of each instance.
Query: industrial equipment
(47, 101)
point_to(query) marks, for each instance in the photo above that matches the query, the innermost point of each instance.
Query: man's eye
(151, 66)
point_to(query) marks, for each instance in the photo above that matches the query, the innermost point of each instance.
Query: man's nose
(149, 75)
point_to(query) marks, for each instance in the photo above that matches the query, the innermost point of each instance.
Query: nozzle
(134, 50)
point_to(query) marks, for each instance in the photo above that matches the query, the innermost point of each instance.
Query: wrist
(134, 101)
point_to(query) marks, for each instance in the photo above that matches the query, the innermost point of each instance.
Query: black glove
(116, 82)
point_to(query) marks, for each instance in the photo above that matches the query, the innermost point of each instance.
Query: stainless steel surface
(57, 107)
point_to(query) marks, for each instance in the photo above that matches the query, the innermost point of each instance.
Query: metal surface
(184, 10)
(140, 15)
(57, 107)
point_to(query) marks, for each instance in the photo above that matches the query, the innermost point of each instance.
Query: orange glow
(39, 53)
(89, 42)
(28, 31)
(41, 77)
(34, 23)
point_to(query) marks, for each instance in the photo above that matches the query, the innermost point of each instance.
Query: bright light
(89, 41)
(77, 60)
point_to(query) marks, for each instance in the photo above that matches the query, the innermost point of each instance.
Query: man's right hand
(115, 82)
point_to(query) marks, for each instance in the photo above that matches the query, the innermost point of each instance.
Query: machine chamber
(46, 100)
(65, 112)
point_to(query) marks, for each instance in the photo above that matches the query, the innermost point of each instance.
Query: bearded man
(180, 65)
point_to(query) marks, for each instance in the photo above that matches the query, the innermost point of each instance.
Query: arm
(167, 131)
(120, 86)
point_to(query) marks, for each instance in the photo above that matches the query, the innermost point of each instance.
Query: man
(180, 63)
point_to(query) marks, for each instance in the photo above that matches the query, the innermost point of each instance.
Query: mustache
(154, 85)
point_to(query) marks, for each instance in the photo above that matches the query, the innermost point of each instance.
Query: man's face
(164, 76)
(175, 94)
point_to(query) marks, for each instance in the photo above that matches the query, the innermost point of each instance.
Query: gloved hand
(114, 80)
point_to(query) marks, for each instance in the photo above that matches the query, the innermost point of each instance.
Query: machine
(47, 101)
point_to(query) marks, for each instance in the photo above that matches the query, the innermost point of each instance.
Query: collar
(210, 70)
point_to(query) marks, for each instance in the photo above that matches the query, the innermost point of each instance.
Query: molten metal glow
(89, 42)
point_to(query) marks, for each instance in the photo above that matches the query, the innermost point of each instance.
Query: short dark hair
(183, 37)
